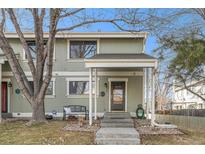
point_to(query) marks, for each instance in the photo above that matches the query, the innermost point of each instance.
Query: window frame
(69, 59)
(34, 60)
(54, 88)
(80, 79)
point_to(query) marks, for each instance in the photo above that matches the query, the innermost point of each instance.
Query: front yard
(188, 138)
(53, 133)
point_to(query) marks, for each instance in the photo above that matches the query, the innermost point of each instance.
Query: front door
(4, 97)
(117, 96)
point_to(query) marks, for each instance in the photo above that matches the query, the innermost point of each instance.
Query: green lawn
(51, 133)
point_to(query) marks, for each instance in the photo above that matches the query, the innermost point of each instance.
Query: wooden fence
(184, 122)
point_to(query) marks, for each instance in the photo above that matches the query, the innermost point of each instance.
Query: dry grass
(51, 133)
(190, 137)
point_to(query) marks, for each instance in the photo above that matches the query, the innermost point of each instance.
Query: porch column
(90, 96)
(95, 93)
(153, 96)
(0, 90)
(147, 91)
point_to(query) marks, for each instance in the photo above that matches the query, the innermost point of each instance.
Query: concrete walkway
(117, 128)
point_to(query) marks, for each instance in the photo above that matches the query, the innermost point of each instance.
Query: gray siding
(121, 45)
(62, 64)
(19, 103)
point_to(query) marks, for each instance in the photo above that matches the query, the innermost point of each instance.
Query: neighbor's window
(32, 47)
(79, 87)
(50, 89)
(82, 49)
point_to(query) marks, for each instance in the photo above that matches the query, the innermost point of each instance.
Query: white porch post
(90, 96)
(0, 90)
(147, 91)
(95, 93)
(153, 96)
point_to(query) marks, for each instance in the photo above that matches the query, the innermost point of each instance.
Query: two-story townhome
(104, 71)
(184, 99)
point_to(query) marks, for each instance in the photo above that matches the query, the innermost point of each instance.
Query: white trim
(121, 64)
(98, 46)
(100, 73)
(79, 79)
(143, 88)
(90, 96)
(68, 49)
(80, 60)
(8, 94)
(83, 35)
(96, 84)
(59, 114)
(2, 61)
(119, 60)
(117, 79)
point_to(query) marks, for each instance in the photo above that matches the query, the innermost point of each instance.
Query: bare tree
(56, 20)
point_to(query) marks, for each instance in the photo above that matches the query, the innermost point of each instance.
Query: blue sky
(151, 43)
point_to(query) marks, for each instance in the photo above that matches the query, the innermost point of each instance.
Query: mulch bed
(143, 126)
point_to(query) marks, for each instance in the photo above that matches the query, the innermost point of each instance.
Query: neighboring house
(184, 99)
(115, 59)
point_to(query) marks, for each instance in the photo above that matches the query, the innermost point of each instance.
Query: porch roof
(141, 60)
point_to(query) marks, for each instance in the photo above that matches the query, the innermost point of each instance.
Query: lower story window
(79, 87)
(50, 90)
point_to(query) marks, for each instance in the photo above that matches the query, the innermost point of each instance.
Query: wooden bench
(74, 110)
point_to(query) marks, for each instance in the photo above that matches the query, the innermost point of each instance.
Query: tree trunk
(38, 113)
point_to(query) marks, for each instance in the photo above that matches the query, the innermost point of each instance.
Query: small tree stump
(81, 120)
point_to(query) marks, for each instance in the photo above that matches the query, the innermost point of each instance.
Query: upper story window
(32, 47)
(82, 49)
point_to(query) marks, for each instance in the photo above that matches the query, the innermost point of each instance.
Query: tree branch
(15, 66)
(54, 14)
(71, 13)
(3, 20)
(113, 21)
(23, 41)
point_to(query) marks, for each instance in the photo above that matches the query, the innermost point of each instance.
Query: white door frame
(117, 79)
(8, 94)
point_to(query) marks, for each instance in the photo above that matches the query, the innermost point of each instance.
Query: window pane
(49, 90)
(82, 49)
(79, 88)
(31, 84)
(32, 47)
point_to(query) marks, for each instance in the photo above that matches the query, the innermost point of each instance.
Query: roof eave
(84, 35)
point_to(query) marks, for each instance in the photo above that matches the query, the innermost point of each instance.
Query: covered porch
(144, 62)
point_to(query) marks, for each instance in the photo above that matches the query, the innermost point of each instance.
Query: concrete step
(117, 141)
(117, 125)
(117, 114)
(117, 133)
(117, 117)
(107, 120)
